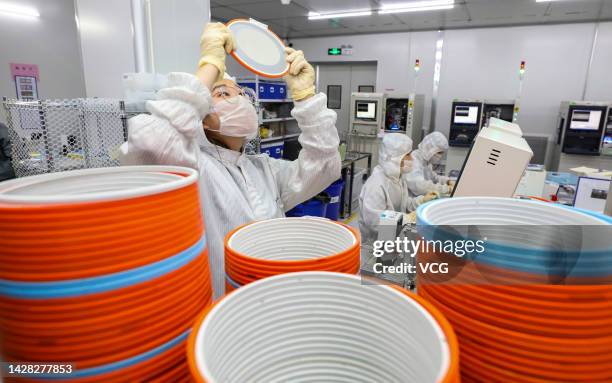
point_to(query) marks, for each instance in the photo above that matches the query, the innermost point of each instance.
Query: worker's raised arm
(215, 42)
(318, 164)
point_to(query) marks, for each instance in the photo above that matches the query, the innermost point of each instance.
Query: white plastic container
(100, 184)
(292, 239)
(319, 326)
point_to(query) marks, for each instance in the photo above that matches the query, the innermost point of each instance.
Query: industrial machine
(469, 116)
(506, 110)
(580, 127)
(606, 145)
(496, 162)
(465, 122)
(366, 113)
(404, 114)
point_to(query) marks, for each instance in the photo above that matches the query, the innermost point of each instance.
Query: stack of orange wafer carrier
(103, 268)
(530, 308)
(284, 245)
(321, 326)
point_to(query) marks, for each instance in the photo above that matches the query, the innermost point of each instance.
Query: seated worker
(203, 122)
(423, 179)
(385, 189)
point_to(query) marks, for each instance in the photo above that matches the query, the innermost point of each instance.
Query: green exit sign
(334, 51)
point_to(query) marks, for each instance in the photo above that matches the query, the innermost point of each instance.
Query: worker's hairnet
(433, 143)
(392, 150)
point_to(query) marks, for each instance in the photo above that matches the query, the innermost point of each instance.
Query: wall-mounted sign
(26, 77)
(334, 51)
(26, 88)
(27, 70)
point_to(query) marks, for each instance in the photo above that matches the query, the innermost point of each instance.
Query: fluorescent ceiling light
(17, 10)
(339, 15)
(416, 6)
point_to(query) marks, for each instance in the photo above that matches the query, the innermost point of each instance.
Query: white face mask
(407, 167)
(436, 158)
(237, 117)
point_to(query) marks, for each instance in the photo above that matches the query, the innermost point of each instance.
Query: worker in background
(6, 169)
(385, 189)
(203, 121)
(423, 179)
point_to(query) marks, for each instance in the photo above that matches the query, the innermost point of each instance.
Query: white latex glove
(216, 41)
(301, 77)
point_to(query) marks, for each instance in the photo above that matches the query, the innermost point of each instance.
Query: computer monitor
(584, 119)
(466, 114)
(365, 110)
(591, 193)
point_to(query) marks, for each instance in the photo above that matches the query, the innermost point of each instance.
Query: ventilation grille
(493, 157)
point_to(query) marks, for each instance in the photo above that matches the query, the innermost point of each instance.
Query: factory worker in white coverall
(423, 179)
(203, 121)
(385, 189)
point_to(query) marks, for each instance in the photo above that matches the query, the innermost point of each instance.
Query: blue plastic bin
(282, 91)
(334, 191)
(313, 207)
(277, 91)
(251, 84)
(274, 150)
(268, 90)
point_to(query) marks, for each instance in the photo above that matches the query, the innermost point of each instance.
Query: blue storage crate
(268, 90)
(274, 150)
(277, 91)
(261, 93)
(273, 93)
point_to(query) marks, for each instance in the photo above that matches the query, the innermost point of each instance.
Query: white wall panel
(107, 45)
(484, 63)
(395, 54)
(176, 29)
(600, 77)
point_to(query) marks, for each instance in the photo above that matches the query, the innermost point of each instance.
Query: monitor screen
(465, 114)
(584, 119)
(591, 193)
(365, 110)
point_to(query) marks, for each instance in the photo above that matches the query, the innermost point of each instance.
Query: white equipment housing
(390, 225)
(404, 114)
(496, 163)
(366, 113)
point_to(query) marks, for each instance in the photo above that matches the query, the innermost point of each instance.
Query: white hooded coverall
(235, 188)
(385, 189)
(423, 179)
